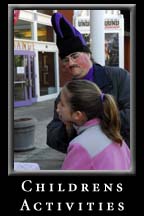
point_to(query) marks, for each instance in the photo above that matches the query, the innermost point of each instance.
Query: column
(97, 35)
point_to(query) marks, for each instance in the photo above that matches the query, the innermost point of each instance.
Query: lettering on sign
(112, 23)
(83, 23)
(21, 45)
(109, 23)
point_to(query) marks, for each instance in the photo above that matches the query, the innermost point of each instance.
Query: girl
(94, 115)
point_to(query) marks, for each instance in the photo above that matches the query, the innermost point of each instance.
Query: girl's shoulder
(93, 140)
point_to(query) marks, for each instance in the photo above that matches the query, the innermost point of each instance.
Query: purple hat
(69, 39)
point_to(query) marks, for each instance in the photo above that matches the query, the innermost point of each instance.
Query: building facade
(38, 74)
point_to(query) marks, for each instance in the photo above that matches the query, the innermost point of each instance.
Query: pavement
(46, 157)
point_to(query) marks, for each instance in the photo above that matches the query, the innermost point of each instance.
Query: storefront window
(45, 33)
(23, 30)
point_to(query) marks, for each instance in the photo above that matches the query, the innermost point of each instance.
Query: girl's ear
(78, 116)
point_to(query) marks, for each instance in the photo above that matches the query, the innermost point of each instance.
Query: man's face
(77, 64)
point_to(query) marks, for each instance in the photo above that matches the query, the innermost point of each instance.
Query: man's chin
(76, 75)
(74, 71)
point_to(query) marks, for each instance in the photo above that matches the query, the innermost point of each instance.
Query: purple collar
(89, 75)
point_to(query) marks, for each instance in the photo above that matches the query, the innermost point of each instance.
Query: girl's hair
(85, 96)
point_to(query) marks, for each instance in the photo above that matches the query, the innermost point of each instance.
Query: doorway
(24, 78)
(47, 77)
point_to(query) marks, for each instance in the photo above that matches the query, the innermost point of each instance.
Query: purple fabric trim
(89, 75)
(102, 96)
(74, 33)
(77, 33)
(58, 16)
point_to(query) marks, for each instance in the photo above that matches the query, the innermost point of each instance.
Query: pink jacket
(93, 150)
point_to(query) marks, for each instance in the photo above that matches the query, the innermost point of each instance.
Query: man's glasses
(72, 56)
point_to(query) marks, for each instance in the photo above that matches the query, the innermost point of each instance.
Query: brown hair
(85, 96)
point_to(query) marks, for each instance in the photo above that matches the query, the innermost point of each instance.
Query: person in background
(76, 59)
(95, 117)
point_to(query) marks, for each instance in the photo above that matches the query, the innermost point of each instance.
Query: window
(45, 33)
(23, 30)
(47, 12)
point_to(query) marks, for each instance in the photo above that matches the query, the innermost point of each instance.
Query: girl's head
(82, 100)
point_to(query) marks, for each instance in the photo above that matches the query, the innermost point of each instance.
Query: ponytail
(110, 118)
(85, 96)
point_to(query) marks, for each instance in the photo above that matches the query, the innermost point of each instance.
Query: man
(77, 60)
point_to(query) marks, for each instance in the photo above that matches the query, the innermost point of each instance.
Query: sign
(82, 24)
(114, 36)
(112, 49)
(20, 70)
(22, 45)
(112, 23)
